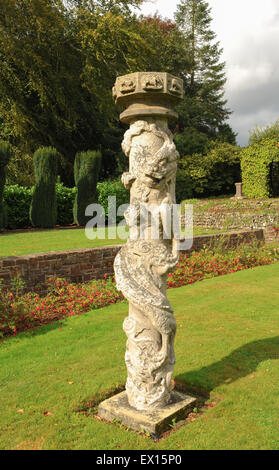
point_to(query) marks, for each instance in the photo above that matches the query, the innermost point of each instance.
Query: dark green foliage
(259, 166)
(18, 199)
(5, 156)
(43, 210)
(212, 174)
(65, 198)
(112, 187)
(58, 65)
(86, 171)
(226, 134)
(184, 186)
(191, 141)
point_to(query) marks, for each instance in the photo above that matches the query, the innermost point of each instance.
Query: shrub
(216, 172)
(43, 210)
(191, 141)
(112, 187)
(260, 169)
(18, 200)
(65, 200)
(87, 167)
(5, 156)
(184, 186)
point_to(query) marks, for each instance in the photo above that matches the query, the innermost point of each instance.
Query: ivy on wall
(259, 166)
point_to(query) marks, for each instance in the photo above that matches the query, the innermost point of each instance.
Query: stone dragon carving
(142, 265)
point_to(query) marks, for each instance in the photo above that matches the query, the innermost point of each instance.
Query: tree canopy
(59, 60)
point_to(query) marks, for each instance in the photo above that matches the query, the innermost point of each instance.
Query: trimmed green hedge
(17, 200)
(113, 187)
(260, 169)
(65, 198)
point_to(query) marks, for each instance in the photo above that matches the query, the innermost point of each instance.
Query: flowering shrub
(21, 312)
(206, 264)
(18, 313)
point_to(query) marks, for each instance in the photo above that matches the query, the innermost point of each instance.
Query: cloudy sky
(248, 31)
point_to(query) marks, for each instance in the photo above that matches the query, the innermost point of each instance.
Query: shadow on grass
(239, 363)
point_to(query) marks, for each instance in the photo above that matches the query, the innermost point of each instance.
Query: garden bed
(20, 311)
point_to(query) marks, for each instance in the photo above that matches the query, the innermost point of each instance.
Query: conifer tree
(43, 210)
(87, 168)
(204, 108)
(5, 155)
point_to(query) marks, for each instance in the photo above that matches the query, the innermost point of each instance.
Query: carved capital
(146, 94)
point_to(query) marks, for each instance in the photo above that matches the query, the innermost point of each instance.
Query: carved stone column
(142, 265)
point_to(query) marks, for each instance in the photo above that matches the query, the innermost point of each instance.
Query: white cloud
(243, 77)
(248, 31)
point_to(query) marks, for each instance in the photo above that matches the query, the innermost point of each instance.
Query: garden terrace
(234, 214)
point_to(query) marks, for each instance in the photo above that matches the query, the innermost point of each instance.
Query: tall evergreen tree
(204, 107)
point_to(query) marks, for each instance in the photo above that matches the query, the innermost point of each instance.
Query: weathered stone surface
(142, 265)
(148, 94)
(154, 421)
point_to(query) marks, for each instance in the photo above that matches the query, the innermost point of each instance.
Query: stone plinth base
(155, 421)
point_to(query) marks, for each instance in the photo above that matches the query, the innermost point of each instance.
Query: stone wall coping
(55, 254)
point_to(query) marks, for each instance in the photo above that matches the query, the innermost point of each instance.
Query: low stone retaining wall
(233, 220)
(83, 265)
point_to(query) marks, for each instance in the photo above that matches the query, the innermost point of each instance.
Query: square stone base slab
(156, 421)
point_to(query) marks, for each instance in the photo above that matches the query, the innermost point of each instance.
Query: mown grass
(43, 241)
(227, 349)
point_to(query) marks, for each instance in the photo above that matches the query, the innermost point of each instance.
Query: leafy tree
(191, 141)
(59, 61)
(204, 105)
(258, 134)
(214, 173)
(168, 53)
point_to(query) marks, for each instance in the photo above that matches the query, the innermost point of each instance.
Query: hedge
(65, 198)
(113, 187)
(260, 169)
(18, 199)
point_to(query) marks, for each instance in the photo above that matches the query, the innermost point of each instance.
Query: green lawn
(227, 348)
(42, 241)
